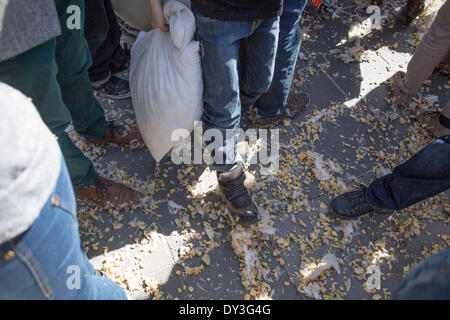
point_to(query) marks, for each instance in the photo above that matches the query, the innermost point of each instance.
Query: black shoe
(351, 205)
(240, 206)
(114, 88)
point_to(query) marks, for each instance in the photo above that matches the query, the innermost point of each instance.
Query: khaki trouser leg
(431, 50)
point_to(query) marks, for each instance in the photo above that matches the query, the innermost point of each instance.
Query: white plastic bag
(166, 80)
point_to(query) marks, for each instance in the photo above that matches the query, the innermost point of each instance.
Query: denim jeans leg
(274, 101)
(48, 262)
(220, 42)
(425, 175)
(257, 61)
(429, 280)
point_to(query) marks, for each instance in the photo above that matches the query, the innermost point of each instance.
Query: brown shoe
(297, 103)
(123, 136)
(400, 98)
(412, 9)
(107, 193)
(431, 119)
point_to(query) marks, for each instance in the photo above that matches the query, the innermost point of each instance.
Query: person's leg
(425, 175)
(47, 261)
(74, 59)
(120, 56)
(429, 280)
(96, 31)
(257, 61)
(274, 102)
(34, 74)
(220, 42)
(103, 33)
(431, 50)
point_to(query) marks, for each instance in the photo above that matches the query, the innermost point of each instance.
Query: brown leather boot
(107, 193)
(121, 135)
(412, 9)
(297, 103)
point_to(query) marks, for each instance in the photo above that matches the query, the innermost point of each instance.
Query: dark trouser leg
(257, 62)
(34, 73)
(73, 59)
(274, 101)
(103, 36)
(425, 175)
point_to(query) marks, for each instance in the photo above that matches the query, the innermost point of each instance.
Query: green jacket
(25, 24)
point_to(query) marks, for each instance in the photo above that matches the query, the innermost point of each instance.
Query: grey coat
(25, 24)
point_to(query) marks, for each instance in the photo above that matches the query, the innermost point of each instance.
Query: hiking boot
(400, 98)
(122, 136)
(107, 193)
(297, 103)
(240, 206)
(351, 205)
(412, 9)
(113, 87)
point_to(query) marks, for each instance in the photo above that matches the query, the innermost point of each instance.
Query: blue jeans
(226, 89)
(47, 262)
(429, 280)
(274, 101)
(425, 175)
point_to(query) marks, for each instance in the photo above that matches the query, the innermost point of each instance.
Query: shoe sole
(337, 215)
(127, 96)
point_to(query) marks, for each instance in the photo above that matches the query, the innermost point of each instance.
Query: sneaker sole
(126, 96)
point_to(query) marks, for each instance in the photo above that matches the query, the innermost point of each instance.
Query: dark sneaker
(114, 88)
(351, 205)
(240, 206)
(122, 136)
(107, 193)
(297, 103)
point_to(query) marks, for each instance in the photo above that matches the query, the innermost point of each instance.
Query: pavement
(180, 244)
